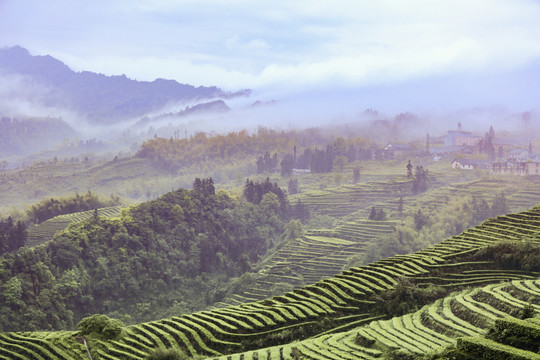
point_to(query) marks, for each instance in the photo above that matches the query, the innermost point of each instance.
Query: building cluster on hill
(510, 160)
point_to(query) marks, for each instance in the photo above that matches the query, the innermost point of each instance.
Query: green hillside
(321, 253)
(171, 255)
(339, 303)
(316, 255)
(461, 318)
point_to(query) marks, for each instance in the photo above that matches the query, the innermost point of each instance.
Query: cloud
(281, 46)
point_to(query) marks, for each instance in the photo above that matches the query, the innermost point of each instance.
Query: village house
(470, 164)
(301, 171)
(518, 154)
(516, 168)
(460, 137)
(391, 150)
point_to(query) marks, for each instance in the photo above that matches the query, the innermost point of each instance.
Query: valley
(289, 219)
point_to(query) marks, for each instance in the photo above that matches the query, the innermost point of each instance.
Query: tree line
(174, 153)
(335, 155)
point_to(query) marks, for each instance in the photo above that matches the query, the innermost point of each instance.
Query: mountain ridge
(102, 99)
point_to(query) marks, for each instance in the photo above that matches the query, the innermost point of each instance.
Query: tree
(12, 236)
(292, 187)
(373, 213)
(427, 143)
(420, 183)
(481, 210)
(101, 326)
(377, 214)
(287, 165)
(255, 191)
(340, 162)
(420, 220)
(204, 187)
(400, 205)
(300, 211)
(409, 170)
(356, 175)
(499, 206)
(381, 215)
(293, 230)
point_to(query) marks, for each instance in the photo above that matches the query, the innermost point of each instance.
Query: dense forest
(168, 255)
(12, 235)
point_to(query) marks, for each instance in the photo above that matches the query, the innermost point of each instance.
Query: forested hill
(162, 257)
(101, 98)
(23, 136)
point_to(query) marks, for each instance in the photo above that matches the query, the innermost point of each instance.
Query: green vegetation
(263, 279)
(429, 333)
(341, 301)
(49, 208)
(512, 255)
(166, 354)
(12, 236)
(100, 326)
(134, 267)
(45, 231)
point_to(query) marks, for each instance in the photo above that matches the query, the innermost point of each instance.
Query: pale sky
(283, 45)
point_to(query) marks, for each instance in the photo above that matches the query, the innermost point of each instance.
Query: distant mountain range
(102, 99)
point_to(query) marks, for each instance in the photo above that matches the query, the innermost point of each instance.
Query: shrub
(513, 255)
(167, 354)
(527, 312)
(406, 297)
(488, 349)
(101, 326)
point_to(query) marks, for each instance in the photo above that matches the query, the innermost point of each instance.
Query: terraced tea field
(323, 253)
(312, 257)
(345, 200)
(41, 233)
(432, 328)
(334, 304)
